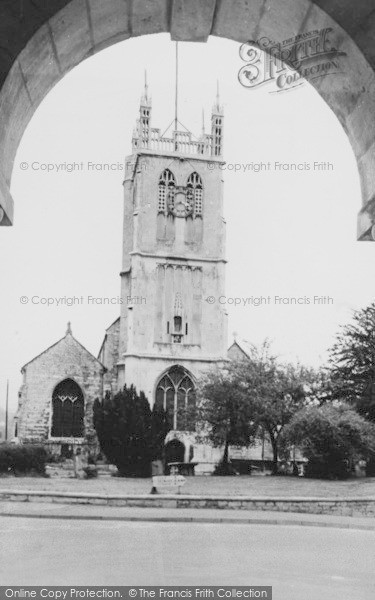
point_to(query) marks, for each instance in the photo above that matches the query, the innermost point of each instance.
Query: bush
(332, 438)
(224, 469)
(370, 467)
(129, 434)
(25, 459)
(91, 471)
(332, 467)
(123, 427)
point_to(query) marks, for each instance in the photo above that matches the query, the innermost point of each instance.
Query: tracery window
(167, 186)
(195, 193)
(175, 392)
(67, 410)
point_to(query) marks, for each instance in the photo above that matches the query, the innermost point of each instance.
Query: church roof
(68, 333)
(111, 325)
(106, 335)
(243, 345)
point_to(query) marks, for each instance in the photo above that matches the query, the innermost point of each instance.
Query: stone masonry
(65, 359)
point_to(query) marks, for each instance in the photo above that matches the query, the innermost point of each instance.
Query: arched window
(175, 392)
(195, 193)
(67, 410)
(167, 185)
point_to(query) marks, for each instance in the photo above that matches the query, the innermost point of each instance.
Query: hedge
(22, 459)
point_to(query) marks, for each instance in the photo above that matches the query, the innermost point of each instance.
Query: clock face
(182, 205)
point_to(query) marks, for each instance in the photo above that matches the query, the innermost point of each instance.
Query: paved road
(300, 562)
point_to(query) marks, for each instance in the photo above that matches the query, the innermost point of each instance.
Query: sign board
(168, 481)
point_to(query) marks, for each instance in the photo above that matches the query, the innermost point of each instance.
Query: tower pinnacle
(179, 140)
(146, 85)
(145, 100)
(217, 118)
(217, 109)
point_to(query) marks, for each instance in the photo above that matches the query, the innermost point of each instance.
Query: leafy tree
(274, 392)
(254, 395)
(223, 412)
(352, 362)
(318, 385)
(332, 438)
(123, 426)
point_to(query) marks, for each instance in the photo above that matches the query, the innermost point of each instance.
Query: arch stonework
(41, 41)
(69, 391)
(177, 380)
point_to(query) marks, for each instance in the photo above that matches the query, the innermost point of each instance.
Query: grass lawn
(255, 485)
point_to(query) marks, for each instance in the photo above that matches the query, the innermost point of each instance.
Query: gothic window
(167, 185)
(177, 319)
(175, 392)
(195, 193)
(67, 410)
(177, 324)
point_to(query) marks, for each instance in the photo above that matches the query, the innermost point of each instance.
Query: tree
(318, 385)
(352, 363)
(223, 412)
(275, 392)
(255, 395)
(123, 427)
(160, 426)
(332, 438)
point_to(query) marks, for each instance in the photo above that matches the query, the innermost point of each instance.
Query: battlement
(146, 137)
(180, 142)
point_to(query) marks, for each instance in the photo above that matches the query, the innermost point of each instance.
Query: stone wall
(358, 507)
(65, 359)
(350, 507)
(109, 356)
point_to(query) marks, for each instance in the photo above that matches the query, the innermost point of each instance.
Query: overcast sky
(289, 234)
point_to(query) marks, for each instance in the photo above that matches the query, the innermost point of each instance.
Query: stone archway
(41, 41)
(68, 410)
(174, 452)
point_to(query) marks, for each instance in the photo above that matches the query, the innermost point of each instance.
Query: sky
(290, 234)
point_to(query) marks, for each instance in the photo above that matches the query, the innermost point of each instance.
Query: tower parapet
(150, 138)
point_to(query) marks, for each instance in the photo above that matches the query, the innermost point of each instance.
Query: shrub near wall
(25, 459)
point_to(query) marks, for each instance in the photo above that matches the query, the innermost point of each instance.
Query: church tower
(172, 324)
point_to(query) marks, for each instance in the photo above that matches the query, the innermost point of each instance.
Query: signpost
(173, 481)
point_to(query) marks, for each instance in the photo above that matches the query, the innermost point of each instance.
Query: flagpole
(176, 92)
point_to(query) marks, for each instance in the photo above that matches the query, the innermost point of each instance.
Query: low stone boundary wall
(353, 507)
(59, 470)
